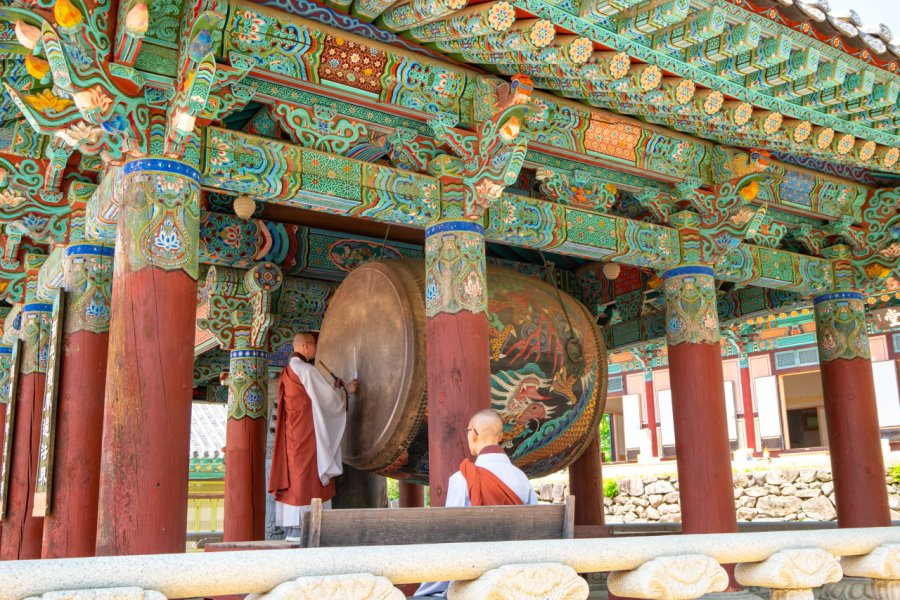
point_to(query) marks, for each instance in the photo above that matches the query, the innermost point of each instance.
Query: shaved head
(305, 344)
(485, 429)
(302, 338)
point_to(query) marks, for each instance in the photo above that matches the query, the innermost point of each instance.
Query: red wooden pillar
(245, 447)
(586, 484)
(747, 399)
(239, 318)
(698, 401)
(457, 347)
(851, 413)
(70, 530)
(651, 410)
(20, 538)
(411, 495)
(146, 425)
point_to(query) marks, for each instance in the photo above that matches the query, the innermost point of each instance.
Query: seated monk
(492, 480)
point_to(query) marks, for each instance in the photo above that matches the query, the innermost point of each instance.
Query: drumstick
(324, 366)
(346, 402)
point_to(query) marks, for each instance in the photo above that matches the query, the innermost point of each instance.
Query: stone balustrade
(654, 567)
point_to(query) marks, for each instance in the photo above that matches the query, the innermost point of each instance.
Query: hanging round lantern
(244, 207)
(611, 270)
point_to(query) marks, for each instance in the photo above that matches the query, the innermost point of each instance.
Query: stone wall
(782, 495)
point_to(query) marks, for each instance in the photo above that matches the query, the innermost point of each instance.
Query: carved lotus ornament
(671, 578)
(358, 586)
(800, 568)
(540, 581)
(881, 563)
(121, 593)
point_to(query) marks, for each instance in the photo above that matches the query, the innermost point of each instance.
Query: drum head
(374, 331)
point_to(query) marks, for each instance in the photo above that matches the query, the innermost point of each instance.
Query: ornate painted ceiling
(771, 123)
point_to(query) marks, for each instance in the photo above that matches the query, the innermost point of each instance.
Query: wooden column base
(146, 426)
(245, 480)
(586, 484)
(412, 495)
(459, 385)
(701, 434)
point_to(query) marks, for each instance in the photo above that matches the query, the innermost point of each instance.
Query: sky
(873, 11)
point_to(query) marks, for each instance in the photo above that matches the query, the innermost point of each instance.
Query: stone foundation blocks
(791, 573)
(671, 578)
(540, 581)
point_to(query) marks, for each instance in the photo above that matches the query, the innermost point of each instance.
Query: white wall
(767, 404)
(886, 393)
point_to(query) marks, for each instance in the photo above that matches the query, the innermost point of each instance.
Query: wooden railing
(671, 567)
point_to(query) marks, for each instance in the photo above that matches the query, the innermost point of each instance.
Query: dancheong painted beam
(289, 174)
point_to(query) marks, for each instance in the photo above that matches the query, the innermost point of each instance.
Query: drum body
(548, 368)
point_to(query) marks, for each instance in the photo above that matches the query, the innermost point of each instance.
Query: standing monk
(492, 480)
(306, 457)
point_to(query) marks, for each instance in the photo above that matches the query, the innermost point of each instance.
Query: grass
(393, 491)
(894, 473)
(610, 488)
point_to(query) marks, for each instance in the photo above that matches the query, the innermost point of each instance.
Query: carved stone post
(146, 425)
(21, 533)
(523, 582)
(882, 566)
(357, 586)
(792, 574)
(70, 530)
(239, 317)
(851, 412)
(457, 344)
(680, 577)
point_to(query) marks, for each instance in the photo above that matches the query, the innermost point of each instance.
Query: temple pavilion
(185, 183)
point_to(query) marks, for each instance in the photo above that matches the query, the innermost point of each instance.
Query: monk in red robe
(491, 480)
(309, 425)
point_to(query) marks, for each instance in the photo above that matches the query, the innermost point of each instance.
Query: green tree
(605, 438)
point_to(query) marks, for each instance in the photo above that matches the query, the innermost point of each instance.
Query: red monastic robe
(485, 488)
(294, 477)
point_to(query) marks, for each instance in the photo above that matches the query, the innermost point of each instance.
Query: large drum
(548, 368)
